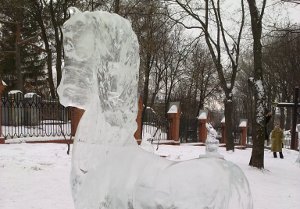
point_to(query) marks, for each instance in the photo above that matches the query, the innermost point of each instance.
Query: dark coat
(277, 139)
(267, 120)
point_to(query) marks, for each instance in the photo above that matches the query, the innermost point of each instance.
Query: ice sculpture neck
(100, 76)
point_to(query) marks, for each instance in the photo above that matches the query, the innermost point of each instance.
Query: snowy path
(36, 176)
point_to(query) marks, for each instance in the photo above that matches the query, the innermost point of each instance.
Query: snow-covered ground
(36, 176)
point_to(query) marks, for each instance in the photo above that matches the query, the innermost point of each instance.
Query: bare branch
(28, 40)
(262, 10)
(291, 1)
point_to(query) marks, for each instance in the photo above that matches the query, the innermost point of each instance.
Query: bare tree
(58, 15)
(282, 71)
(38, 7)
(258, 136)
(220, 42)
(198, 82)
(151, 26)
(174, 65)
(162, 60)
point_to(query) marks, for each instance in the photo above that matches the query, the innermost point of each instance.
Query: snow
(258, 84)
(202, 115)
(251, 79)
(173, 109)
(260, 101)
(31, 95)
(36, 176)
(15, 92)
(34, 139)
(243, 123)
(223, 120)
(3, 83)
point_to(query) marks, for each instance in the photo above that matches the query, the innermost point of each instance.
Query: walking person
(277, 141)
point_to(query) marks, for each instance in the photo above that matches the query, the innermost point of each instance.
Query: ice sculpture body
(211, 143)
(108, 169)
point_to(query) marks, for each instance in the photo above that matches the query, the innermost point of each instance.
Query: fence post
(138, 133)
(174, 119)
(2, 87)
(243, 128)
(223, 127)
(76, 115)
(202, 125)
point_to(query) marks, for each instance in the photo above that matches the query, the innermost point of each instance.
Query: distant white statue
(211, 143)
(109, 170)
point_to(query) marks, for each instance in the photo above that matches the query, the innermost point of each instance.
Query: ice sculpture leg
(108, 169)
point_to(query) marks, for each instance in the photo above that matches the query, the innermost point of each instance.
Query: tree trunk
(58, 60)
(50, 74)
(228, 122)
(288, 121)
(117, 6)
(146, 79)
(58, 43)
(20, 82)
(282, 117)
(257, 157)
(39, 19)
(152, 99)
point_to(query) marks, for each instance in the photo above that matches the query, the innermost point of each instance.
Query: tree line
(219, 62)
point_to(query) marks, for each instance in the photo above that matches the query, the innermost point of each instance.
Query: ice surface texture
(109, 170)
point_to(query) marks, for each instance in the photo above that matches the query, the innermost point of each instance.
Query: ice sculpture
(211, 143)
(108, 169)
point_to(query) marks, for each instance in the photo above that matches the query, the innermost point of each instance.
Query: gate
(188, 129)
(154, 126)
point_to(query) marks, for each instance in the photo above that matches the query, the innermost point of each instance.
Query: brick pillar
(173, 134)
(174, 120)
(202, 130)
(243, 129)
(243, 136)
(202, 125)
(76, 115)
(223, 128)
(138, 133)
(2, 87)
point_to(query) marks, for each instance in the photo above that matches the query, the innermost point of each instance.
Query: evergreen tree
(21, 62)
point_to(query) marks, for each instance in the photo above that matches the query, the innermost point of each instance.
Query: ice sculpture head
(101, 61)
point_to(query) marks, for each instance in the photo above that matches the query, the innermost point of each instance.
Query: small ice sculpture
(211, 143)
(109, 170)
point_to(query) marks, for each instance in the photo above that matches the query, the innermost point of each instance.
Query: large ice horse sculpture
(108, 169)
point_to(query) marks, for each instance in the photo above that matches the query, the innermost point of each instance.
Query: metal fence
(39, 117)
(188, 129)
(154, 126)
(33, 117)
